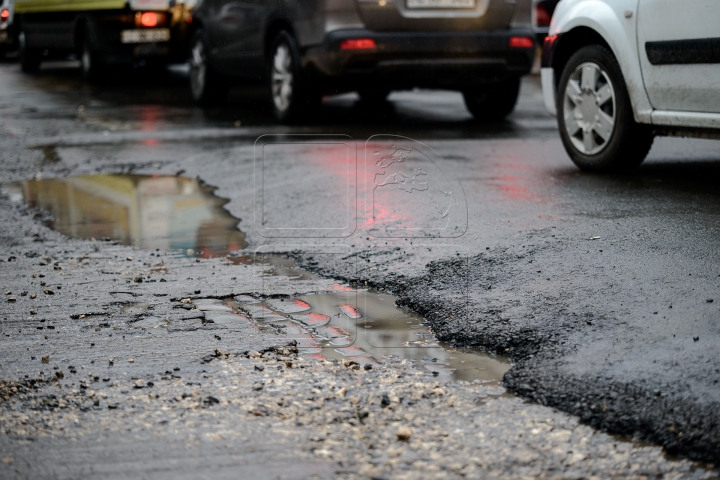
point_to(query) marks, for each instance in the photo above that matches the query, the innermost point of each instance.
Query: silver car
(307, 48)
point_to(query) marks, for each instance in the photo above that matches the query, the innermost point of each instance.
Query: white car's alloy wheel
(282, 78)
(589, 108)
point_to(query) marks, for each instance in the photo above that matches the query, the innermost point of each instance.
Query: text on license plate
(142, 36)
(440, 3)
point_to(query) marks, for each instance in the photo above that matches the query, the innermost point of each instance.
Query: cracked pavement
(574, 313)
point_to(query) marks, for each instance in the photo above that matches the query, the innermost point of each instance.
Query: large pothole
(183, 215)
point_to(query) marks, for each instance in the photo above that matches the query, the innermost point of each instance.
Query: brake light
(149, 19)
(550, 39)
(5, 14)
(358, 44)
(521, 42)
(542, 17)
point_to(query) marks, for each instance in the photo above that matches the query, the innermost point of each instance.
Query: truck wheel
(292, 97)
(595, 115)
(493, 101)
(30, 58)
(207, 86)
(90, 63)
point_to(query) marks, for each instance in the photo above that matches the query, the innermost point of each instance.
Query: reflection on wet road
(362, 326)
(150, 212)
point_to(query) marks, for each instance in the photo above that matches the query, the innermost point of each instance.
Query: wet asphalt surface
(602, 290)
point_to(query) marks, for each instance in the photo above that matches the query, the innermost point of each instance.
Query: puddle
(150, 212)
(367, 327)
(182, 214)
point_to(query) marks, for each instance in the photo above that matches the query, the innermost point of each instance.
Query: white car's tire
(595, 115)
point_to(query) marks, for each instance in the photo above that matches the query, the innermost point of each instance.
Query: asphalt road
(604, 291)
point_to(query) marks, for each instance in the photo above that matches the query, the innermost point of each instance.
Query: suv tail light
(149, 19)
(4, 15)
(521, 42)
(542, 17)
(358, 44)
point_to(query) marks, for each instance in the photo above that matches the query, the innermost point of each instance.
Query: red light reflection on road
(516, 182)
(376, 212)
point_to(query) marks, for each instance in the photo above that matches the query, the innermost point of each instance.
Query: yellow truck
(101, 33)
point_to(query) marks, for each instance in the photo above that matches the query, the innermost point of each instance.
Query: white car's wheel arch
(608, 18)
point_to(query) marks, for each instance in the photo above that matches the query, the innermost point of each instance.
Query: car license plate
(440, 3)
(145, 36)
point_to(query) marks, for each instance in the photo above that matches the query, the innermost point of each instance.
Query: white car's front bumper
(547, 76)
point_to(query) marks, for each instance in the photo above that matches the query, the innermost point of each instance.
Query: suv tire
(595, 116)
(30, 58)
(207, 86)
(493, 101)
(292, 96)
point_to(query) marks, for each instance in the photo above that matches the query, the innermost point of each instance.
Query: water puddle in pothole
(358, 325)
(150, 212)
(183, 215)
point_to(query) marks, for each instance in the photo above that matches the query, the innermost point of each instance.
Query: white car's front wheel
(595, 115)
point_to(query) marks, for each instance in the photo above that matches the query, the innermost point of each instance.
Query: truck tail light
(4, 15)
(149, 19)
(521, 42)
(358, 44)
(542, 17)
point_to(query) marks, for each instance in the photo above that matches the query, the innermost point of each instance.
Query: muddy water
(367, 327)
(183, 215)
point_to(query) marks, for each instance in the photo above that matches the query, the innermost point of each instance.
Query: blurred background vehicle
(102, 33)
(7, 34)
(542, 14)
(619, 72)
(304, 50)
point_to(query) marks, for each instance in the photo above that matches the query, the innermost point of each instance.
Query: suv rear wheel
(493, 101)
(292, 96)
(595, 115)
(207, 86)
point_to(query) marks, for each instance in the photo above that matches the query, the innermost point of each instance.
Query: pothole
(370, 329)
(149, 212)
(183, 215)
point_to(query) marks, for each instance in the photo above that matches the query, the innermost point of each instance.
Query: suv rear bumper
(452, 60)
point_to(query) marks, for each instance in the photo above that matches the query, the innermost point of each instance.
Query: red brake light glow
(550, 39)
(521, 42)
(149, 19)
(358, 44)
(542, 17)
(5, 14)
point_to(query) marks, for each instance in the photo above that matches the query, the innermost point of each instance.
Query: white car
(619, 72)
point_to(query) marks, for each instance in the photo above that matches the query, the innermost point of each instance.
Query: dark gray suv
(304, 49)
